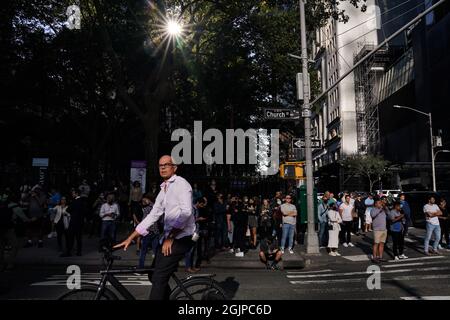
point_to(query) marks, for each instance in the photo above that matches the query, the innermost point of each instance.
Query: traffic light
(292, 170)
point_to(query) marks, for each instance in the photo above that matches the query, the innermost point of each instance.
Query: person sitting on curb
(269, 253)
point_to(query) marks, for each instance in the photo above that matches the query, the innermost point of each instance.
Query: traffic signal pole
(312, 240)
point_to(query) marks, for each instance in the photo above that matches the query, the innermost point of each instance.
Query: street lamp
(433, 169)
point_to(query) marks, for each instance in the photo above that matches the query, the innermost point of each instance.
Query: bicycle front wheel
(88, 294)
(199, 289)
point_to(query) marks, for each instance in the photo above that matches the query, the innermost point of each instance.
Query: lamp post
(433, 169)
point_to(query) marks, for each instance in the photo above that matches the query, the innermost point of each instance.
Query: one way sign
(299, 143)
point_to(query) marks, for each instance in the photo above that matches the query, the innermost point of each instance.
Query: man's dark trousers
(165, 266)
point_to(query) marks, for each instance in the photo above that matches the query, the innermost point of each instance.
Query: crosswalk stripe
(417, 259)
(309, 272)
(400, 278)
(365, 272)
(412, 264)
(94, 282)
(361, 257)
(426, 298)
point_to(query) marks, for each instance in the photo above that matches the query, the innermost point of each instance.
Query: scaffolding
(366, 82)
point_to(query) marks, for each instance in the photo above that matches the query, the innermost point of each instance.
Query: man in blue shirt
(407, 212)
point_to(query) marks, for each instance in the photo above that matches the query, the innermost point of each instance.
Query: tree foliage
(109, 89)
(372, 167)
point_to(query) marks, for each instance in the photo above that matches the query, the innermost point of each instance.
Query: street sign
(40, 162)
(299, 143)
(281, 114)
(306, 113)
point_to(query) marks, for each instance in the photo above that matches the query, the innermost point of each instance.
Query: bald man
(174, 201)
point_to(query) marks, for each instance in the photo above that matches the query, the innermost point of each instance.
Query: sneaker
(402, 256)
(231, 250)
(291, 251)
(237, 250)
(275, 266)
(282, 250)
(396, 258)
(332, 253)
(337, 254)
(433, 252)
(351, 244)
(50, 235)
(239, 254)
(439, 247)
(345, 244)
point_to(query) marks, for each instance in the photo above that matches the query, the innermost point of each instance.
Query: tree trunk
(151, 143)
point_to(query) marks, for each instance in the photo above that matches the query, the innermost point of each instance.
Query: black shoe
(40, 244)
(275, 266)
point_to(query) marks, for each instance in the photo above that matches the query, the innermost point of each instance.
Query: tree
(369, 166)
(117, 76)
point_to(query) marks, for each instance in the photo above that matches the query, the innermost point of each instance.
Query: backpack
(6, 215)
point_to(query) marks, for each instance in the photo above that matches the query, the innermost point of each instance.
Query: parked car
(394, 193)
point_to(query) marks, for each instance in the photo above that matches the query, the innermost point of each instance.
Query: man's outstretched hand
(125, 244)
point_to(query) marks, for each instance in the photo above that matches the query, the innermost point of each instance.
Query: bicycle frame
(108, 276)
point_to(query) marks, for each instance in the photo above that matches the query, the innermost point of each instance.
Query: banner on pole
(138, 172)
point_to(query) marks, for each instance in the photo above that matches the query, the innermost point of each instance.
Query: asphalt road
(346, 277)
(416, 278)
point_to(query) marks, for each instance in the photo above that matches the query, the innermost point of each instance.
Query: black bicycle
(194, 287)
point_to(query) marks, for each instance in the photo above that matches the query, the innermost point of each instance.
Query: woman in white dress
(334, 221)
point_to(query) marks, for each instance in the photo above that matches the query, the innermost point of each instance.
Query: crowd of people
(354, 214)
(225, 222)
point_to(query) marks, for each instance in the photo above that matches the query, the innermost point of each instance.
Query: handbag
(66, 221)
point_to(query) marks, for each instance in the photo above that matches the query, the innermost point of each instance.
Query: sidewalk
(222, 260)
(362, 251)
(48, 255)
